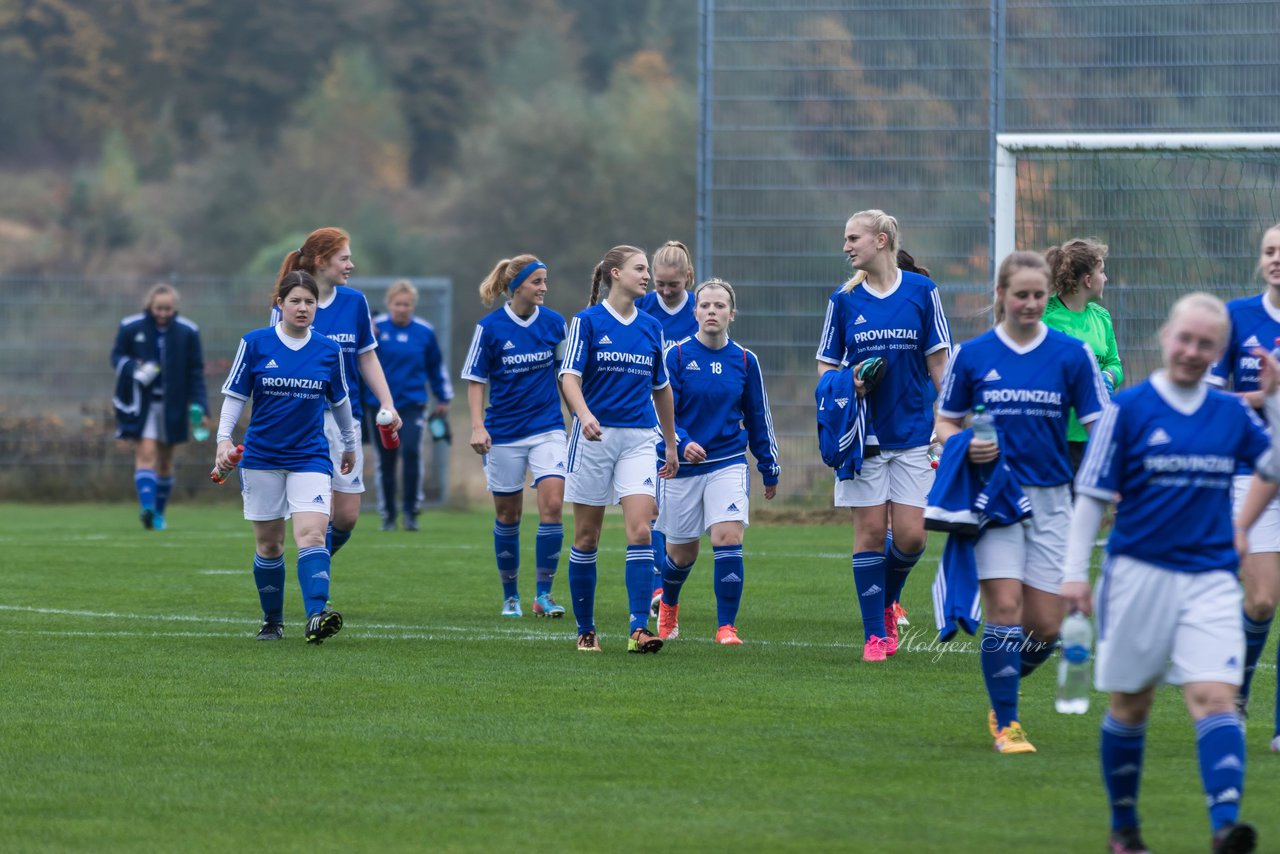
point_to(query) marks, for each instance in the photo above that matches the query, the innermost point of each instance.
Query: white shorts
(624, 462)
(278, 494)
(1034, 550)
(1264, 536)
(353, 482)
(543, 455)
(903, 477)
(1154, 623)
(689, 506)
(151, 426)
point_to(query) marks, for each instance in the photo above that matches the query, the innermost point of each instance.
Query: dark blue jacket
(965, 500)
(182, 374)
(843, 423)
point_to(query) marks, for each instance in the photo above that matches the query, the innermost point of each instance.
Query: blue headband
(525, 272)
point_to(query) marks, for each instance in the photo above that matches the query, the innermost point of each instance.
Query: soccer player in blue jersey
(159, 368)
(1168, 603)
(1255, 322)
(294, 376)
(1029, 377)
(887, 313)
(613, 378)
(671, 304)
(513, 352)
(411, 360)
(721, 407)
(343, 316)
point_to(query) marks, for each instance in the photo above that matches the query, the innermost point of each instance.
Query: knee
(1260, 602)
(552, 511)
(638, 533)
(1003, 612)
(726, 538)
(1130, 708)
(271, 550)
(309, 539)
(508, 516)
(586, 541)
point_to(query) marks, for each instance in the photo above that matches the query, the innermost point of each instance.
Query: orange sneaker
(900, 615)
(1012, 739)
(890, 633)
(668, 621)
(876, 649)
(728, 636)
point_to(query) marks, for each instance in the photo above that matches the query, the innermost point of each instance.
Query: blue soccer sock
(335, 538)
(582, 588)
(868, 580)
(897, 566)
(673, 579)
(728, 583)
(1035, 653)
(1220, 743)
(547, 544)
(313, 577)
(639, 584)
(144, 483)
(659, 542)
(1255, 641)
(1001, 670)
(1122, 746)
(164, 488)
(506, 548)
(268, 575)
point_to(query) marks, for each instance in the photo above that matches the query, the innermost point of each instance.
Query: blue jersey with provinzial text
(345, 318)
(1173, 472)
(902, 326)
(1254, 323)
(291, 387)
(620, 362)
(1029, 389)
(676, 324)
(722, 405)
(516, 356)
(410, 357)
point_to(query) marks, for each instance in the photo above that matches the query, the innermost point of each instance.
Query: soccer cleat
(511, 607)
(875, 649)
(1235, 838)
(992, 726)
(323, 625)
(728, 636)
(1275, 744)
(157, 523)
(148, 518)
(271, 631)
(643, 641)
(668, 621)
(1127, 840)
(891, 632)
(388, 525)
(900, 615)
(545, 606)
(655, 602)
(587, 642)
(410, 523)
(1012, 739)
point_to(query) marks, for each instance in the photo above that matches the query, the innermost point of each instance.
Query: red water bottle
(219, 476)
(390, 438)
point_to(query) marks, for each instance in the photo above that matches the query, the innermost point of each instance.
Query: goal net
(1180, 212)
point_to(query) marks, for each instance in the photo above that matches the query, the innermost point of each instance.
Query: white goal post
(1008, 147)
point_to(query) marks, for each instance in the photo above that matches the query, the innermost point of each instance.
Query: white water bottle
(1075, 669)
(984, 425)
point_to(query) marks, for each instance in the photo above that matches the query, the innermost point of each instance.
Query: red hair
(320, 245)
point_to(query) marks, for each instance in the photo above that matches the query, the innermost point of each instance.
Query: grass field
(138, 713)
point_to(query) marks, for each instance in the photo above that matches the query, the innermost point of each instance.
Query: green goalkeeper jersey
(1093, 327)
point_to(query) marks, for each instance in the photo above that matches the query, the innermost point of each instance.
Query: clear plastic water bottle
(1075, 669)
(199, 432)
(984, 425)
(935, 454)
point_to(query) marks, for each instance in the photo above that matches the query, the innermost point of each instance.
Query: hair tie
(525, 272)
(301, 253)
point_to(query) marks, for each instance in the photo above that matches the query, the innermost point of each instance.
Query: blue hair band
(525, 272)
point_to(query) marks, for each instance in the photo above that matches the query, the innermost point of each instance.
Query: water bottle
(935, 454)
(219, 476)
(389, 435)
(1275, 350)
(1075, 669)
(198, 431)
(984, 425)
(438, 425)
